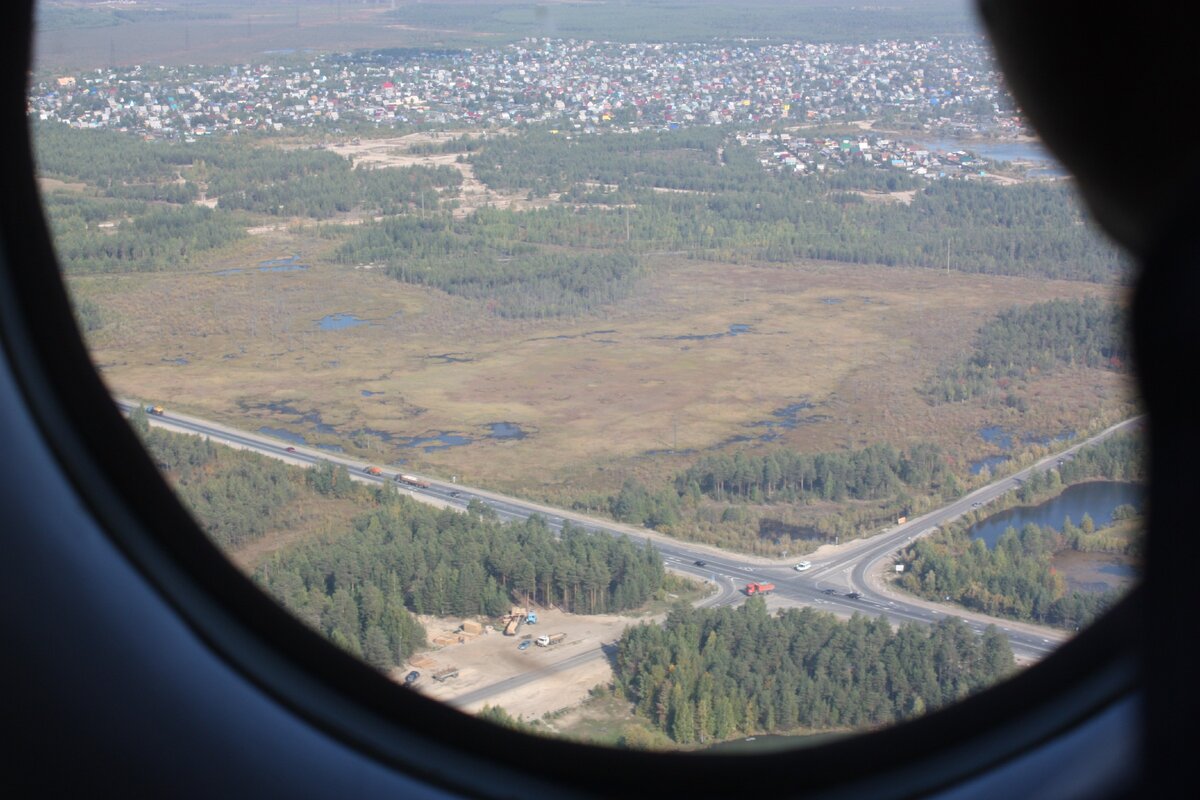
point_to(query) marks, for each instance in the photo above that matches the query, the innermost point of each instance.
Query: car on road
(412, 677)
(853, 595)
(289, 449)
(524, 645)
(976, 504)
(455, 494)
(700, 563)
(802, 566)
(830, 592)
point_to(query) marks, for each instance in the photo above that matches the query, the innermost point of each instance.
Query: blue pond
(337, 322)
(991, 462)
(506, 430)
(332, 448)
(369, 393)
(442, 440)
(1096, 498)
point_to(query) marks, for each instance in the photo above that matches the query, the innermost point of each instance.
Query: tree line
(712, 674)
(871, 473)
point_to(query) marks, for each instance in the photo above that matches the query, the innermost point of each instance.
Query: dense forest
(1035, 339)
(872, 473)
(235, 495)
(697, 190)
(711, 674)
(481, 258)
(405, 554)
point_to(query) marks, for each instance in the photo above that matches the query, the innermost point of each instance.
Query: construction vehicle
(446, 674)
(412, 480)
(373, 470)
(554, 638)
(759, 588)
(157, 411)
(514, 625)
(531, 618)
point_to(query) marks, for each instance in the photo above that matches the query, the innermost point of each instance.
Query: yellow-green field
(592, 394)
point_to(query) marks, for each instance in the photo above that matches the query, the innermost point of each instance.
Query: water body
(337, 322)
(286, 435)
(734, 330)
(1095, 498)
(1043, 163)
(1004, 439)
(332, 448)
(179, 362)
(234, 271)
(369, 393)
(506, 430)
(441, 440)
(285, 268)
(990, 462)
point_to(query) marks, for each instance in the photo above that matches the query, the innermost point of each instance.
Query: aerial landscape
(643, 373)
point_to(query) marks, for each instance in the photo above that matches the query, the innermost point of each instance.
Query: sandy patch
(488, 659)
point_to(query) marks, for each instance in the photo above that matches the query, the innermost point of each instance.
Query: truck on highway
(554, 638)
(412, 480)
(373, 470)
(759, 588)
(157, 411)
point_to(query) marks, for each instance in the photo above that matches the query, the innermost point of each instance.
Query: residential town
(935, 87)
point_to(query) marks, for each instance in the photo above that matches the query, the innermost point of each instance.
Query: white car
(803, 565)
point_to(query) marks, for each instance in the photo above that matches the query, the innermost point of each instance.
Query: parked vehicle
(524, 645)
(446, 674)
(412, 677)
(554, 638)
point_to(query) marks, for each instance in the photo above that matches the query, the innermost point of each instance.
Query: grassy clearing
(595, 396)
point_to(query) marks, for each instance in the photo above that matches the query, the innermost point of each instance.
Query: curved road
(844, 583)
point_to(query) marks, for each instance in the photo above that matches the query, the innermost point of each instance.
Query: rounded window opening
(668, 384)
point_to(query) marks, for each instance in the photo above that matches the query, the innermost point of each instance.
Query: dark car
(412, 677)
(700, 563)
(290, 449)
(524, 645)
(853, 595)
(829, 591)
(455, 494)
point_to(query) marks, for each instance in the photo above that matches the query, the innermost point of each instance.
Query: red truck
(373, 470)
(759, 588)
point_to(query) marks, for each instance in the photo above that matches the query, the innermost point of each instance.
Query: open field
(593, 398)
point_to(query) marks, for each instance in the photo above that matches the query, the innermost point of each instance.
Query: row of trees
(711, 674)
(1035, 339)
(872, 473)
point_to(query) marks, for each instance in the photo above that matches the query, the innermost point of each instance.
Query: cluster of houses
(937, 84)
(811, 155)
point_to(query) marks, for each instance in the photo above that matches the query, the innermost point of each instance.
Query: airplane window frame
(353, 703)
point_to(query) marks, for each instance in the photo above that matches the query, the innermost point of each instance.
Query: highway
(827, 585)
